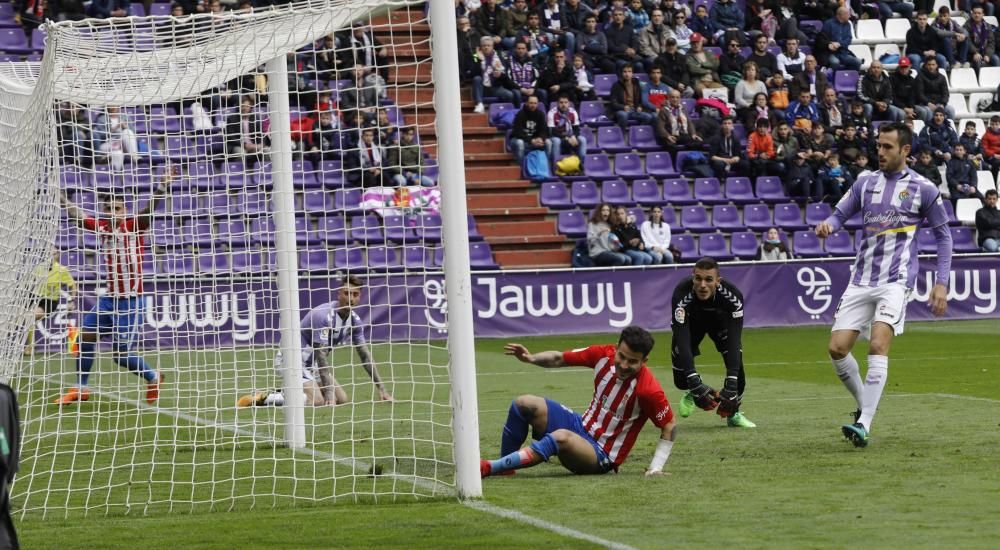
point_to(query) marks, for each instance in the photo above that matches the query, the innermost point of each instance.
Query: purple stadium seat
(184, 205)
(805, 244)
(256, 203)
(305, 180)
(769, 189)
(305, 233)
(212, 261)
(14, 41)
(616, 193)
(418, 258)
(317, 202)
(846, 82)
(840, 243)
(677, 192)
(740, 133)
(366, 229)
(963, 240)
(629, 165)
(670, 218)
(494, 112)
(695, 219)
(637, 214)
(739, 190)
(708, 191)
(681, 156)
(686, 245)
(611, 139)
(246, 260)
(234, 232)
(382, 258)
(642, 138)
(175, 265)
(429, 228)
(757, 217)
(572, 223)
(333, 229)
(817, 212)
(591, 113)
(199, 231)
(350, 259)
(314, 259)
(598, 166)
(584, 194)
(555, 194)
(474, 234)
(481, 256)
(347, 200)
(398, 230)
(159, 8)
(727, 218)
(647, 193)
(714, 245)
(743, 245)
(603, 84)
(661, 165)
(789, 217)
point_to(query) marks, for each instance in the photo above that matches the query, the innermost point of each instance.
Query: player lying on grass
(323, 328)
(707, 305)
(894, 201)
(119, 311)
(626, 394)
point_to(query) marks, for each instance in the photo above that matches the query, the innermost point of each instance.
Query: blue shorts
(120, 316)
(562, 417)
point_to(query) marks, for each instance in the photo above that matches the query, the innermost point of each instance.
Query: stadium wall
(192, 313)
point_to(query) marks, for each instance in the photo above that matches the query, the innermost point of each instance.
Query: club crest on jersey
(904, 194)
(679, 315)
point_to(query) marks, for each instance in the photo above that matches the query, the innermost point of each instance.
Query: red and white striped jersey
(620, 407)
(121, 248)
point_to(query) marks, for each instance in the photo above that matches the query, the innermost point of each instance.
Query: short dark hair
(706, 263)
(991, 193)
(904, 136)
(352, 280)
(994, 118)
(762, 123)
(638, 339)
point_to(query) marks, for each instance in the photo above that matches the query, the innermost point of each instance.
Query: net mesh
(119, 107)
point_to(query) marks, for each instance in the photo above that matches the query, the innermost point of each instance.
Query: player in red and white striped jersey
(626, 394)
(119, 311)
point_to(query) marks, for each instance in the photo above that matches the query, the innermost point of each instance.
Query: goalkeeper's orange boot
(251, 400)
(153, 389)
(72, 396)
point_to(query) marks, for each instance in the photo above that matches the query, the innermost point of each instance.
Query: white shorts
(860, 306)
(307, 373)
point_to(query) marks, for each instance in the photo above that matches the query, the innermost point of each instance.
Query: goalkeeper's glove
(705, 397)
(729, 398)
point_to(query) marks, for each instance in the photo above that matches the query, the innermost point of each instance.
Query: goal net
(255, 207)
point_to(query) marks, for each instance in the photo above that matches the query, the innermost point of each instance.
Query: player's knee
(837, 350)
(529, 406)
(562, 436)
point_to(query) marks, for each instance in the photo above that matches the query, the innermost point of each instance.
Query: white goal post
(269, 180)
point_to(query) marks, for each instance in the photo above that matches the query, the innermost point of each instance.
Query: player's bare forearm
(544, 359)
(669, 431)
(365, 355)
(145, 215)
(72, 210)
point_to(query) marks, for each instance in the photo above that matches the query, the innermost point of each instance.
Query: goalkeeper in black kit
(707, 305)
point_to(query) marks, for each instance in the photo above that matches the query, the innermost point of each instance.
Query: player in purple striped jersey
(893, 202)
(323, 328)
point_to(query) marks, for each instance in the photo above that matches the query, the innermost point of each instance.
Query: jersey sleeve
(733, 298)
(357, 331)
(681, 354)
(90, 223)
(849, 205)
(653, 402)
(587, 357)
(932, 206)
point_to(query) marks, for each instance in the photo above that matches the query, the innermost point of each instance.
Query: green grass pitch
(930, 477)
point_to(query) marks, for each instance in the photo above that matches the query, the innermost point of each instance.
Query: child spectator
(818, 146)
(991, 145)
(760, 151)
(705, 25)
(778, 95)
(850, 145)
(584, 79)
(859, 166)
(962, 177)
(926, 167)
(404, 161)
(939, 137)
(857, 118)
(833, 179)
(970, 140)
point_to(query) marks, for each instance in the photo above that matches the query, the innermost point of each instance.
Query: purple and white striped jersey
(323, 327)
(892, 209)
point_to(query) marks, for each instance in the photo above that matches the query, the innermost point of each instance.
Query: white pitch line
(479, 505)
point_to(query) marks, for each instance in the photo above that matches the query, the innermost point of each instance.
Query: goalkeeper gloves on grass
(729, 398)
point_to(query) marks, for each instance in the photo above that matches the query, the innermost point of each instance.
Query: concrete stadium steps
(521, 232)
